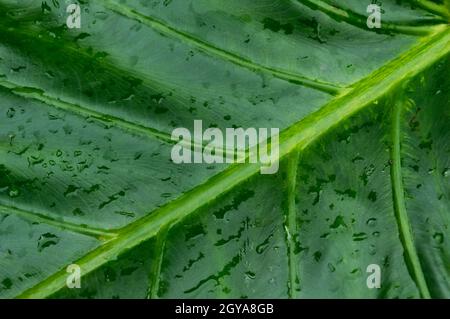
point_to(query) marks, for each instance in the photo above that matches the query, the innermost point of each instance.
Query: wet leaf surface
(86, 175)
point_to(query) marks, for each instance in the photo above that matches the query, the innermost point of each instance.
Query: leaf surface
(86, 176)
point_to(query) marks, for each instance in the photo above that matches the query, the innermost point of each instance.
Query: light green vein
(155, 271)
(159, 26)
(299, 136)
(291, 223)
(432, 7)
(41, 96)
(360, 21)
(407, 238)
(40, 218)
(208, 48)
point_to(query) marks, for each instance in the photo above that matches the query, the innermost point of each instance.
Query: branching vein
(291, 223)
(39, 218)
(298, 136)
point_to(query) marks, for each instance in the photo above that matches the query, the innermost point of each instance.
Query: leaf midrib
(298, 136)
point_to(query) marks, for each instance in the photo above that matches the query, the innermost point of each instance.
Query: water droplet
(317, 256)
(250, 275)
(194, 231)
(46, 240)
(368, 171)
(372, 196)
(14, 192)
(371, 222)
(70, 189)
(359, 236)
(78, 212)
(356, 271)
(263, 246)
(10, 113)
(276, 26)
(331, 268)
(338, 222)
(438, 238)
(357, 158)
(6, 283)
(17, 69)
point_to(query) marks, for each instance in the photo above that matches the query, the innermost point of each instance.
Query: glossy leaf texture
(86, 176)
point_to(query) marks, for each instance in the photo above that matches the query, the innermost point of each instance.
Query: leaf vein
(208, 48)
(291, 223)
(40, 218)
(298, 136)
(404, 225)
(360, 21)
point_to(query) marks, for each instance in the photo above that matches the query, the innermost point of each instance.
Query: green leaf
(86, 176)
